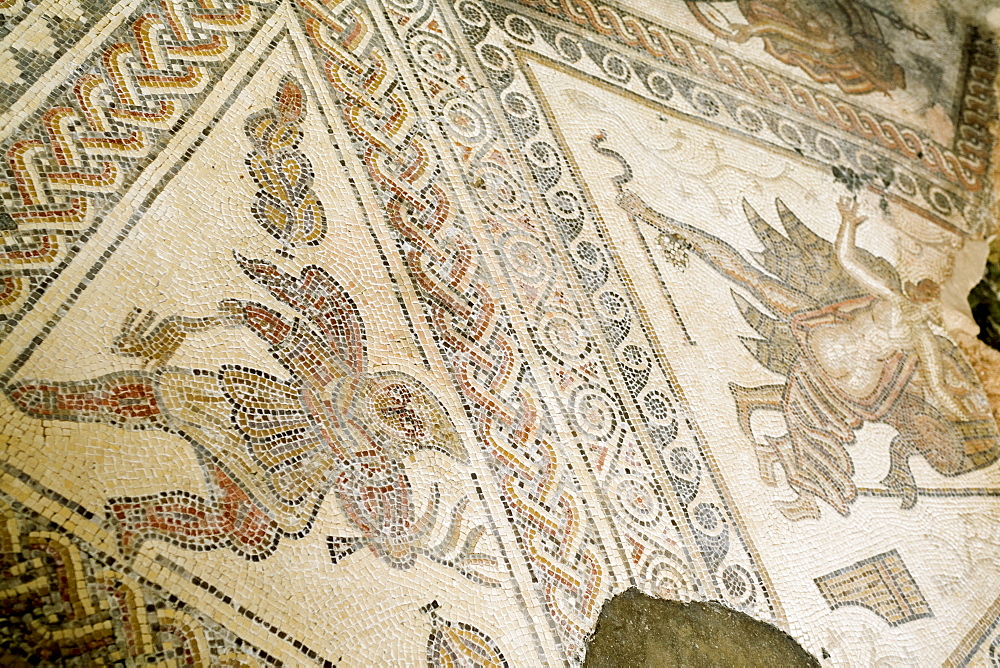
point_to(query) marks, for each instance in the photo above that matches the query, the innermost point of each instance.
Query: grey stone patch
(638, 630)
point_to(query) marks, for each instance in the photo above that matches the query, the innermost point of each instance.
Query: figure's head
(925, 290)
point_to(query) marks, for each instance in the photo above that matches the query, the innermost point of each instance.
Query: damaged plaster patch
(638, 630)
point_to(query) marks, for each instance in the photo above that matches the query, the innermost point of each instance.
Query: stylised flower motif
(285, 204)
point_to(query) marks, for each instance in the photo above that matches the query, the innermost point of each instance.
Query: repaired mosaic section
(65, 603)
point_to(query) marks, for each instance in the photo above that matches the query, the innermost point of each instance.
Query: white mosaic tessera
(404, 331)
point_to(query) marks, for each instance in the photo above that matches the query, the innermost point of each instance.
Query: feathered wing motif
(777, 348)
(403, 414)
(814, 459)
(804, 262)
(820, 328)
(336, 424)
(823, 410)
(322, 300)
(272, 447)
(282, 439)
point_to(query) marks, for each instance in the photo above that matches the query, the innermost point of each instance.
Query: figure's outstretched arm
(847, 251)
(723, 257)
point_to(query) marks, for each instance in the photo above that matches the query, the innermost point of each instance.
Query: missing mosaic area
(65, 602)
(582, 150)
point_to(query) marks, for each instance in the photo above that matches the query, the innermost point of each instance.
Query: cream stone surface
(382, 333)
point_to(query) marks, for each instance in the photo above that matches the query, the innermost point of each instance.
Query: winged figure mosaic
(854, 344)
(833, 41)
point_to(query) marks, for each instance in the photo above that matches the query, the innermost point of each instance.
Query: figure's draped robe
(822, 415)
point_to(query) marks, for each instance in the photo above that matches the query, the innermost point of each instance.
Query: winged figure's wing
(807, 262)
(777, 347)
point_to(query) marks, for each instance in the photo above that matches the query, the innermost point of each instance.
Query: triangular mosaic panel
(403, 331)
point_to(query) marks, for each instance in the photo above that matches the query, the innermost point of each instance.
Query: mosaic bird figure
(272, 447)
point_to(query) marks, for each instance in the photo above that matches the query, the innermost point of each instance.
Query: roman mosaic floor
(394, 332)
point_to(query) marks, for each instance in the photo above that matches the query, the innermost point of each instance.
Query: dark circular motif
(738, 584)
(681, 461)
(472, 13)
(749, 119)
(568, 47)
(707, 103)
(434, 53)
(519, 28)
(659, 85)
(495, 58)
(706, 515)
(828, 148)
(940, 201)
(616, 67)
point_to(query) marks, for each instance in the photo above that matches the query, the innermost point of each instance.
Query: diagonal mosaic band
(375, 333)
(82, 149)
